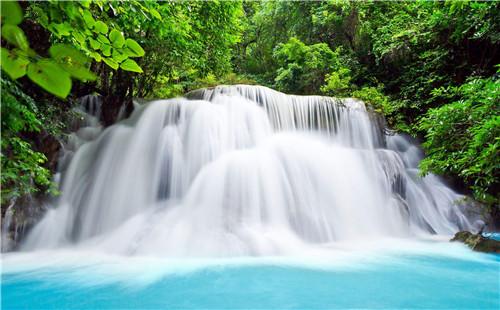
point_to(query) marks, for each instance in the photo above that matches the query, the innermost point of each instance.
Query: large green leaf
(67, 53)
(78, 72)
(134, 49)
(14, 62)
(101, 27)
(11, 13)
(110, 62)
(15, 35)
(130, 65)
(50, 76)
(117, 38)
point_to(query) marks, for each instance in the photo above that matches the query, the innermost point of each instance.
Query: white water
(242, 170)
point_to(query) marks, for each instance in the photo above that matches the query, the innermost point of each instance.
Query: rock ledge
(477, 242)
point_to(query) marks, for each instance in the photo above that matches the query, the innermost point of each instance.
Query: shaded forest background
(431, 68)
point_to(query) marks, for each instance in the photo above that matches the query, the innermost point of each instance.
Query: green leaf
(15, 35)
(110, 62)
(62, 29)
(95, 44)
(119, 57)
(43, 19)
(155, 13)
(85, 4)
(14, 62)
(96, 56)
(130, 65)
(101, 27)
(86, 47)
(51, 77)
(89, 20)
(67, 53)
(117, 38)
(78, 72)
(106, 49)
(80, 38)
(103, 39)
(134, 47)
(11, 13)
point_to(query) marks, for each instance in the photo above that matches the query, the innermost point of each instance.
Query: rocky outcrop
(21, 215)
(478, 242)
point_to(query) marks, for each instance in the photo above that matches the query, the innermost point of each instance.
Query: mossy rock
(477, 242)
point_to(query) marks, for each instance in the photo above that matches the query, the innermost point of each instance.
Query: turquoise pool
(429, 276)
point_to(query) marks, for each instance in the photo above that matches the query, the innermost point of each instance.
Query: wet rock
(478, 242)
(51, 148)
(22, 214)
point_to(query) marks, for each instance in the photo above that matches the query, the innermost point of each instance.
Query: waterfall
(242, 170)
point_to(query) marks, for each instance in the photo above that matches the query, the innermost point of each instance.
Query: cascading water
(242, 170)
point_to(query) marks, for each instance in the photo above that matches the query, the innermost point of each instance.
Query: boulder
(477, 242)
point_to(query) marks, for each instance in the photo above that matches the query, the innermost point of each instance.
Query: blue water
(447, 277)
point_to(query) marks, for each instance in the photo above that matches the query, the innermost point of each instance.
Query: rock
(19, 218)
(478, 242)
(461, 236)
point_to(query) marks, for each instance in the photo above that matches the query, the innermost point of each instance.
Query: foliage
(304, 68)
(22, 170)
(91, 26)
(338, 83)
(463, 137)
(212, 81)
(52, 74)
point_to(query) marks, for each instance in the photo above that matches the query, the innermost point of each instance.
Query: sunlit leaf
(79, 37)
(51, 77)
(155, 13)
(15, 35)
(78, 72)
(116, 38)
(67, 53)
(106, 49)
(96, 56)
(130, 65)
(95, 44)
(119, 57)
(101, 27)
(134, 47)
(14, 62)
(110, 62)
(85, 4)
(89, 20)
(11, 13)
(103, 39)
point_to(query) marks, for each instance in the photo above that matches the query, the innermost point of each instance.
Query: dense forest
(430, 67)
